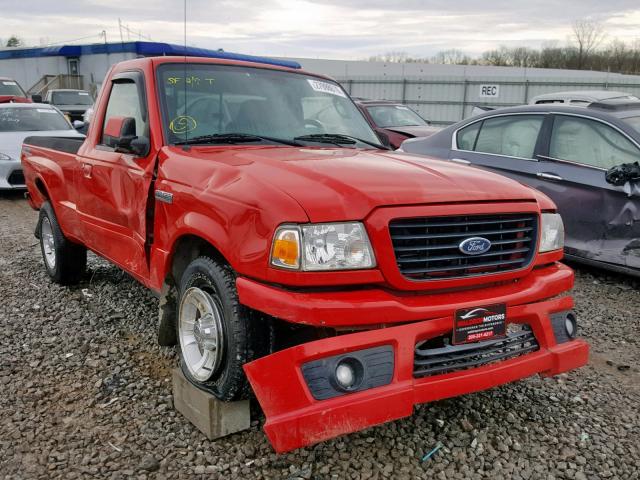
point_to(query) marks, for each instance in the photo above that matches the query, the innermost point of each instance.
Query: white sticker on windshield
(326, 87)
(9, 83)
(402, 107)
(46, 110)
(83, 93)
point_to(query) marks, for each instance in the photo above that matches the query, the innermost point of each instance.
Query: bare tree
(498, 58)
(391, 57)
(618, 54)
(452, 57)
(587, 35)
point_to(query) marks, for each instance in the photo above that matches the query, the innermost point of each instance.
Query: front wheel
(217, 335)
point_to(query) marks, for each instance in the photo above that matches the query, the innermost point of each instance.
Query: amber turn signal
(286, 248)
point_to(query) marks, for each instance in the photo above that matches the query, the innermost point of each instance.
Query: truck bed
(62, 144)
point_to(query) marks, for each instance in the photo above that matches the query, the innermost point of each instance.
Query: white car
(581, 97)
(21, 120)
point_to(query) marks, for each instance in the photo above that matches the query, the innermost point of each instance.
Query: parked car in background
(581, 97)
(565, 152)
(395, 120)
(72, 103)
(21, 120)
(11, 91)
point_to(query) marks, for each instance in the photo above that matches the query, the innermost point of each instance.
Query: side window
(467, 136)
(513, 136)
(125, 101)
(590, 142)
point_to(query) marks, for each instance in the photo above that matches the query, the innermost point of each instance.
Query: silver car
(21, 120)
(581, 98)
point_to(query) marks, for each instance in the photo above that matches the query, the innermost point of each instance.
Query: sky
(338, 29)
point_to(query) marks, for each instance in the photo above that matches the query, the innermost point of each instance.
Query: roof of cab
(155, 61)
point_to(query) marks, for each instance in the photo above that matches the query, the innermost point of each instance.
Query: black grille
(428, 248)
(452, 358)
(16, 178)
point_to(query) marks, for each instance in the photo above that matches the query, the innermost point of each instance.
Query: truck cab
(297, 258)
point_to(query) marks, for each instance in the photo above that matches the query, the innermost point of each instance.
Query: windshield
(223, 99)
(634, 122)
(395, 116)
(71, 98)
(32, 120)
(9, 87)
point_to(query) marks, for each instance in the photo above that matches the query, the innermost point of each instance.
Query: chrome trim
(163, 196)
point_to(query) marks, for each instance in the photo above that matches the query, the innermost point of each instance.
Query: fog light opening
(348, 374)
(571, 325)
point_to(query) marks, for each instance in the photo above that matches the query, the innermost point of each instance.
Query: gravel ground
(85, 392)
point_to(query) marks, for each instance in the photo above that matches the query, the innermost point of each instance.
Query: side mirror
(78, 124)
(36, 98)
(621, 174)
(120, 134)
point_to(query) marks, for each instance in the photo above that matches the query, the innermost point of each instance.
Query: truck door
(113, 187)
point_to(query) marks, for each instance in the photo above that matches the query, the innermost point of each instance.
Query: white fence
(446, 100)
(446, 94)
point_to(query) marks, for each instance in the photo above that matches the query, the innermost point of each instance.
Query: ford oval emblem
(474, 246)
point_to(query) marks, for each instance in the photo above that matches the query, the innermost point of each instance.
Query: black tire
(70, 259)
(247, 335)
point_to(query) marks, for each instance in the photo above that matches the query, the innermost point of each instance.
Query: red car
(394, 120)
(297, 257)
(11, 91)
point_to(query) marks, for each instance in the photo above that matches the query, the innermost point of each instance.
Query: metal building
(85, 66)
(445, 94)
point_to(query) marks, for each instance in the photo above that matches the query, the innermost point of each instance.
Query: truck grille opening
(428, 248)
(16, 178)
(436, 360)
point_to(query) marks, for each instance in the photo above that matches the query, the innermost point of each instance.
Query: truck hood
(333, 184)
(11, 142)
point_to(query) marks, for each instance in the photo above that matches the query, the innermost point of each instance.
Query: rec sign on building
(489, 91)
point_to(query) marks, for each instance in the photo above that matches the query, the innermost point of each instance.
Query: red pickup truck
(295, 255)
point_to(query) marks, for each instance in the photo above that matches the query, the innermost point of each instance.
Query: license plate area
(476, 324)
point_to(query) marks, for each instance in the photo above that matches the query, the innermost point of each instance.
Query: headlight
(322, 246)
(552, 232)
(4, 156)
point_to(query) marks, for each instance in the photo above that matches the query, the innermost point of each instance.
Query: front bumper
(368, 307)
(295, 419)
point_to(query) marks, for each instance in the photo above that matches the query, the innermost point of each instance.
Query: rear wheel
(64, 260)
(217, 335)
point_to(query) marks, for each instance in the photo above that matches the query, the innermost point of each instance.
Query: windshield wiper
(232, 138)
(336, 139)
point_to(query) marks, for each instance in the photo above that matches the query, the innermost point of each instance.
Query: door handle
(550, 176)
(86, 170)
(460, 160)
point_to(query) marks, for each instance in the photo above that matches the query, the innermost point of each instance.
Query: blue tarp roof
(146, 49)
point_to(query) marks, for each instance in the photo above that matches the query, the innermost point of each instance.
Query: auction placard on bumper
(480, 323)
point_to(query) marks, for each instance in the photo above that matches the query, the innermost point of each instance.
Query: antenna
(184, 79)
